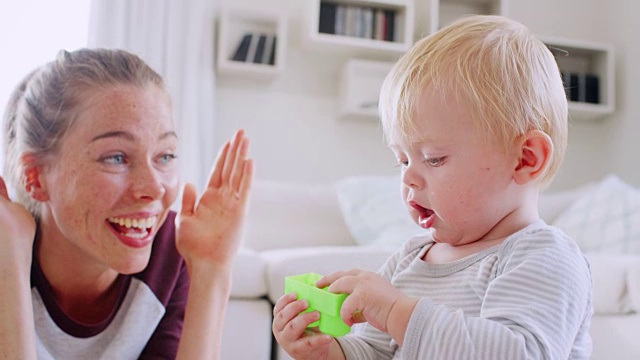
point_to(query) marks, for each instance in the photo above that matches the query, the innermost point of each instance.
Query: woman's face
(110, 184)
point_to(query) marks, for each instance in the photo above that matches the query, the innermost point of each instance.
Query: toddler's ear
(534, 157)
(32, 178)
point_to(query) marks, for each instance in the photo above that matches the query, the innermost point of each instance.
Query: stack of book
(357, 21)
(581, 87)
(256, 48)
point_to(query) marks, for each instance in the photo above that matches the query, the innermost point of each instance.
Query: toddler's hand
(290, 329)
(372, 297)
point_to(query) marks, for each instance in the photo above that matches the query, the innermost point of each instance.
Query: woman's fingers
(188, 200)
(230, 161)
(237, 170)
(3, 189)
(245, 181)
(215, 179)
(231, 165)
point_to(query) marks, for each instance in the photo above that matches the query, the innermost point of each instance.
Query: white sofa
(296, 228)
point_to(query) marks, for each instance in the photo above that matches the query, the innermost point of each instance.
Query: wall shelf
(360, 25)
(444, 12)
(585, 58)
(360, 84)
(265, 37)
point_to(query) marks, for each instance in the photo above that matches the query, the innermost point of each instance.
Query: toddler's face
(454, 181)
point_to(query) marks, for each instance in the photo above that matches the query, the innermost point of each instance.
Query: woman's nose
(147, 183)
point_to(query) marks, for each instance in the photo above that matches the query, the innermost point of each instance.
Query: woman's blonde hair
(46, 104)
(508, 79)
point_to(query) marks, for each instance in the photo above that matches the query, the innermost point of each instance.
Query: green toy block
(326, 303)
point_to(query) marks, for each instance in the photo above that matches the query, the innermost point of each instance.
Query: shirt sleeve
(366, 342)
(536, 306)
(163, 344)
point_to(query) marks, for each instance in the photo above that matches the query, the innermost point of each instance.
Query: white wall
(297, 136)
(624, 126)
(31, 34)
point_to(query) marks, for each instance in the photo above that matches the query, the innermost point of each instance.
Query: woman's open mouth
(133, 232)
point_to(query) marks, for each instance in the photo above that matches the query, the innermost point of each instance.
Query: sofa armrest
(615, 283)
(247, 277)
(322, 260)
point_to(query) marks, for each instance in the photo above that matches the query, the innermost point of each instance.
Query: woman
(92, 260)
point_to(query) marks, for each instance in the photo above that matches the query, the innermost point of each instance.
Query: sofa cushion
(373, 210)
(294, 215)
(605, 219)
(248, 275)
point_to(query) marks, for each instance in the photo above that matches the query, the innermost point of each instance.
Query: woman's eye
(116, 159)
(435, 162)
(167, 158)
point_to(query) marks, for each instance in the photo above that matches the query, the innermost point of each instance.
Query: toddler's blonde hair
(507, 78)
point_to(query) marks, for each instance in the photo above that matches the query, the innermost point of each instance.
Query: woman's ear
(32, 178)
(534, 156)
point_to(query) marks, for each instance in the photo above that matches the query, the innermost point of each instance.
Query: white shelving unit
(443, 12)
(354, 15)
(233, 25)
(360, 84)
(585, 57)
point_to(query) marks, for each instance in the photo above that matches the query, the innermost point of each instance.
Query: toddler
(476, 115)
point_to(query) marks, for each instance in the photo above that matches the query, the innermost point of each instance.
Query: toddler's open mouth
(426, 217)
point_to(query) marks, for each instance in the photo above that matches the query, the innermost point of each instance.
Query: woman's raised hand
(211, 229)
(17, 230)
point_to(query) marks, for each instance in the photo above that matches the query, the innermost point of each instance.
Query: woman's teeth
(134, 223)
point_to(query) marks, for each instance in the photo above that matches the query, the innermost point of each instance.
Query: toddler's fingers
(288, 313)
(331, 278)
(351, 312)
(311, 341)
(284, 301)
(297, 327)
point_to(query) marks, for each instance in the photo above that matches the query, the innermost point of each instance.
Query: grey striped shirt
(527, 298)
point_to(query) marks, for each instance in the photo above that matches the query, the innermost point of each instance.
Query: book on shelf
(327, 21)
(253, 47)
(592, 89)
(243, 48)
(581, 87)
(367, 20)
(268, 49)
(272, 56)
(260, 48)
(256, 48)
(341, 20)
(359, 21)
(378, 25)
(389, 17)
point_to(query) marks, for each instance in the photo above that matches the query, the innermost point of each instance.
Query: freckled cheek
(172, 187)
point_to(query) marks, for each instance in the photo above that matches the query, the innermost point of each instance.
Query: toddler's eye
(435, 162)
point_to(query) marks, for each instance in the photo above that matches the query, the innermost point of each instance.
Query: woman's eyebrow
(128, 136)
(110, 134)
